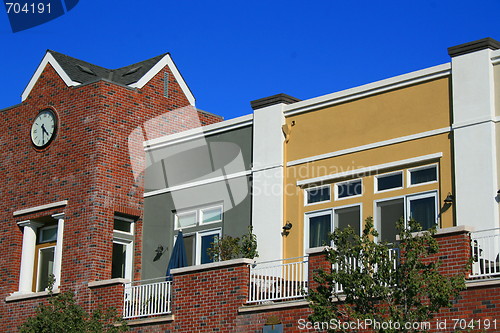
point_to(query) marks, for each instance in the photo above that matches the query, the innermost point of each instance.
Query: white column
(28, 255)
(58, 251)
(267, 196)
(475, 134)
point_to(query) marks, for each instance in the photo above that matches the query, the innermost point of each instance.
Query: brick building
(101, 168)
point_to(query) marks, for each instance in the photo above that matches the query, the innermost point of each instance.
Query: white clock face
(43, 128)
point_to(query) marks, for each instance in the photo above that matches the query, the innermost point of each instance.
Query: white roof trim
(166, 61)
(198, 132)
(48, 58)
(368, 89)
(369, 169)
(495, 57)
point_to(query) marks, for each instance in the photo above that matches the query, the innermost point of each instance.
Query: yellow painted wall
(416, 109)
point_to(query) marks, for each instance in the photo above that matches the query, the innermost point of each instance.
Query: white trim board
(39, 208)
(395, 82)
(198, 132)
(369, 169)
(197, 183)
(370, 146)
(47, 59)
(166, 61)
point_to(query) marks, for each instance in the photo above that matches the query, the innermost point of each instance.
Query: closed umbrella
(178, 258)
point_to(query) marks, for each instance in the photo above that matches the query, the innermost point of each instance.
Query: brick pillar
(206, 298)
(317, 261)
(454, 250)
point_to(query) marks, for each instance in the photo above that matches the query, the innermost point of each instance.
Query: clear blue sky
(232, 52)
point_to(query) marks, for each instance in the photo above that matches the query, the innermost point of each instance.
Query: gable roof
(75, 72)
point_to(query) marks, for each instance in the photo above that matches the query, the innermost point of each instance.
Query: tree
(61, 314)
(375, 282)
(227, 247)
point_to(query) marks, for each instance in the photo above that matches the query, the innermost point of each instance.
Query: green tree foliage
(396, 283)
(227, 247)
(61, 314)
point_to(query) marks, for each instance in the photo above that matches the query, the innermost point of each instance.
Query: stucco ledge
(19, 296)
(212, 265)
(102, 283)
(272, 306)
(154, 320)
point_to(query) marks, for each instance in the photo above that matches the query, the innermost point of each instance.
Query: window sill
(102, 283)
(17, 296)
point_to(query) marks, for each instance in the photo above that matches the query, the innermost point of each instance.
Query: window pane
(121, 225)
(319, 228)
(212, 215)
(423, 175)
(424, 211)
(46, 267)
(389, 213)
(48, 234)
(186, 220)
(189, 244)
(318, 194)
(118, 261)
(349, 189)
(348, 217)
(206, 243)
(390, 181)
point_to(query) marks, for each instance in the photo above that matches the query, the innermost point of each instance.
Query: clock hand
(44, 130)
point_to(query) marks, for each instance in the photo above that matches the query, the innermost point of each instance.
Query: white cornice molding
(47, 59)
(166, 61)
(198, 183)
(378, 87)
(370, 146)
(40, 208)
(370, 169)
(199, 132)
(495, 57)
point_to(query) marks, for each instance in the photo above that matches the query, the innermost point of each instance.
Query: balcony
(147, 298)
(485, 250)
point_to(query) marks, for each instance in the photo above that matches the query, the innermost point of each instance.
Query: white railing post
(485, 250)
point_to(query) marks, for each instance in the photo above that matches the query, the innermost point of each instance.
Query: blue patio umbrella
(178, 258)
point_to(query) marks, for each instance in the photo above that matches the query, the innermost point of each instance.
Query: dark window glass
(389, 213)
(319, 228)
(424, 212)
(318, 194)
(189, 243)
(206, 243)
(349, 189)
(423, 175)
(118, 261)
(390, 181)
(46, 267)
(121, 225)
(348, 217)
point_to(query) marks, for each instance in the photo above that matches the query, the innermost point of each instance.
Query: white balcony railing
(278, 280)
(147, 298)
(485, 249)
(353, 263)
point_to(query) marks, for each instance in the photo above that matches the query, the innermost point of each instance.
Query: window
(197, 217)
(165, 84)
(197, 245)
(41, 253)
(389, 181)
(422, 175)
(421, 207)
(349, 189)
(321, 223)
(317, 194)
(123, 247)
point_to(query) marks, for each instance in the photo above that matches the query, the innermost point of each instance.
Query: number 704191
(27, 8)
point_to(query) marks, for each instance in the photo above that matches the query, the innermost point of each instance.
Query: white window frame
(124, 219)
(187, 212)
(39, 264)
(422, 195)
(315, 213)
(129, 249)
(406, 201)
(42, 229)
(306, 190)
(197, 240)
(376, 178)
(348, 182)
(428, 166)
(201, 214)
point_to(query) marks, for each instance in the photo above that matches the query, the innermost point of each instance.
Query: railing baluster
(146, 299)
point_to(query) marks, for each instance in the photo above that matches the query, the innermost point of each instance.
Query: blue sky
(233, 52)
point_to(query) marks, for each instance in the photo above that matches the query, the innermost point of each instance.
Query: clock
(44, 128)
